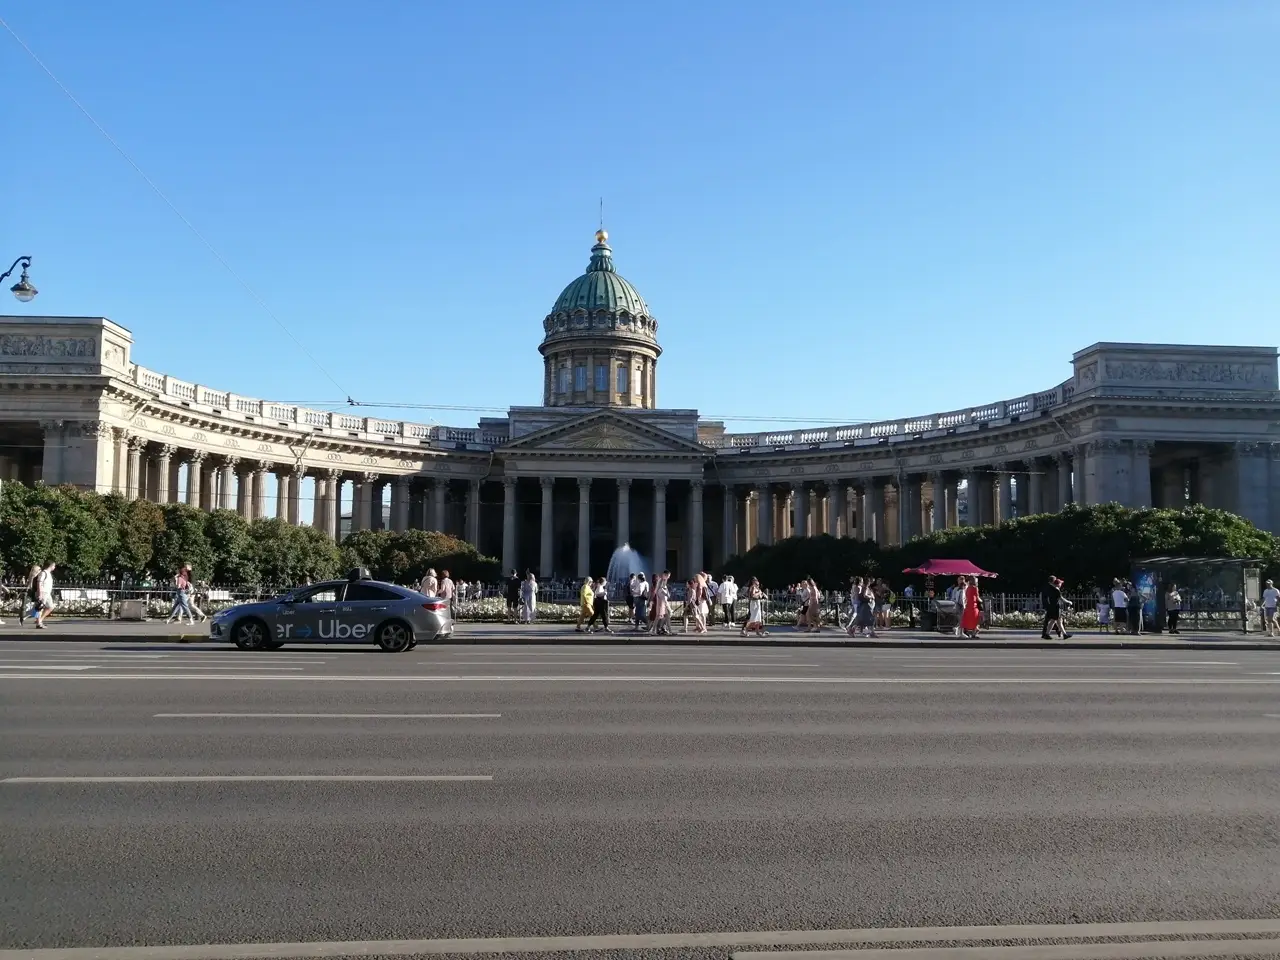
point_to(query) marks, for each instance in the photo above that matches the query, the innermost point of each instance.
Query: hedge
(94, 537)
(1086, 546)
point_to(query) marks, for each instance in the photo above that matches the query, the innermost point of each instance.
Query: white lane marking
(1199, 663)
(627, 663)
(1273, 716)
(606, 678)
(660, 941)
(1139, 950)
(335, 716)
(673, 652)
(8, 666)
(266, 778)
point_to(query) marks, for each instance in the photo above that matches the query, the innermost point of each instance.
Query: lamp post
(23, 289)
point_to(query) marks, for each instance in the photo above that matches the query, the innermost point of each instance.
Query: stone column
(1252, 487)
(244, 495)
(226, 483)
(296, 473)
(623, 524)
(838, 509)
(400, 506)
(1140, 473)
(377, 516)
(120, 478)
(162, 459)
(284, 481)
(509, 525)
(584, 527)
(799, 507)
(175, 476)
(1173, 486)
(659, 525)
(439, 486)
(1082, 491)
(764, 515)
(913, 506)
(362, 501)
(319, 501)
(815, 511)
(259, 505)
(195, 479)
(1004, 479)
(546, 532)
(972, 498)
(333, 504)
(1035, 487)
(728, 521)
(952, 487)
(134, 473)
(939, 502)
(208, 485)
(1064, 479)
(875, 512)
(695, 551)
(473, 513)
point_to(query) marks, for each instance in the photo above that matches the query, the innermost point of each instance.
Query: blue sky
(837, 211)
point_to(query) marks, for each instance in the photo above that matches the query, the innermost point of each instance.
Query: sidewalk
(155, 631)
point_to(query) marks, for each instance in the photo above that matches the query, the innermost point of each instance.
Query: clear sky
(837, 211)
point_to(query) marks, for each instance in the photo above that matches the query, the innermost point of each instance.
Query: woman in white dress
(528, 597)
(755, 610)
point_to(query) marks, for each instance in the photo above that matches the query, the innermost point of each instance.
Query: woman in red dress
(972, 616)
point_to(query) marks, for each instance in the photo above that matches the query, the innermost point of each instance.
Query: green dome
(601, 288)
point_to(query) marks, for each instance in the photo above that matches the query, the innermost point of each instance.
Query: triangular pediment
(604, 432)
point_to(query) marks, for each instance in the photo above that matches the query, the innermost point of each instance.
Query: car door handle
(378, 609)
(325, 609)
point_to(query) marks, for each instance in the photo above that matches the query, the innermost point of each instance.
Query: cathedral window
(602, 378)
(622, 380)
(580, 377)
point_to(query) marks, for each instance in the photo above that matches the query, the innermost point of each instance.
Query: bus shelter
(1218, 593)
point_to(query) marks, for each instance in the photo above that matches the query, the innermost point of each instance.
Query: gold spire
(601, 236)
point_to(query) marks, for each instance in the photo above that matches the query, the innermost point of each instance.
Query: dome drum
(600, 345)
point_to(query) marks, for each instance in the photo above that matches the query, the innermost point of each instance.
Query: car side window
(322, 594)
(369, 591)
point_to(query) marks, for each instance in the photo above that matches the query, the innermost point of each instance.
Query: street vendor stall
(942, 614)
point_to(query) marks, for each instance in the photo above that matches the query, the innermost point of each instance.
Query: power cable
(169, 203)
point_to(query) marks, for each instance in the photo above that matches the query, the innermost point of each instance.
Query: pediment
(604, 432)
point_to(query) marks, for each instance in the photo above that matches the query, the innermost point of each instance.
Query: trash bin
(131, 610)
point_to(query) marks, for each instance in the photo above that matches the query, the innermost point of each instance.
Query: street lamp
(23, 289)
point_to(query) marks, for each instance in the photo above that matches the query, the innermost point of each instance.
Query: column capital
(546, 483)
(660, 485)
(197, 457)
(51, 426)
(509, 483)
(94, 428)
(1143, 447)
(263, 466)
(330, 474)
(624, 483)
(367, 477)
(695, 487)
(1249, 448)
(400, 482)
(584, 483)
(121, 433)
(136, 443)
(797, 486)
(165, 450)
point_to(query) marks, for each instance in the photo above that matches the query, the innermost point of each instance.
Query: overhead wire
(253, 293)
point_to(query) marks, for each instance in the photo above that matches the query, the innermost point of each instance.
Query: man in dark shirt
(1051, 600)
(513, 596)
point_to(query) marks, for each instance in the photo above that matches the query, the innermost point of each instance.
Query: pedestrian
(28, 606)
(629, 595)
(728, 596)
(514, 592)
(971, 619)
(447, 592)
(528, 597)
(640, 602)
(600, 607)
(586, 603)
(182, 595)
(1136, 603)
(1050, 601)
(862, 599)
(44, 594)
(755, 610)
(1173, 605)
(660, 622)
(429, 585)
(1119, 605)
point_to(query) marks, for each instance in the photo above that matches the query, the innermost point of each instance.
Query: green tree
(137, 523)
(183, 540)
(27, 533)
(228, 536)
(406, 557)
(285, 555)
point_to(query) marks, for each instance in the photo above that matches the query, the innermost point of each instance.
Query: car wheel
(394, 637)
(250, 634)
(412, 645)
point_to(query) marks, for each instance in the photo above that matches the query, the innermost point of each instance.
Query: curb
(621, 641)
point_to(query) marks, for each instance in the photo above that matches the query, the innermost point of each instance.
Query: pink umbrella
(950, 568)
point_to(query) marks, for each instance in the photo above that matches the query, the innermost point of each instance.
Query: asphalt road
(626, 790)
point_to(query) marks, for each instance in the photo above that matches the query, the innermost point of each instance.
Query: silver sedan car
(337, 611)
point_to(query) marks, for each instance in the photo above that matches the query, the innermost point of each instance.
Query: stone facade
(556, 488)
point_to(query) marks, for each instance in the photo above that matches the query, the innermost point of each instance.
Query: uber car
(355, 610)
